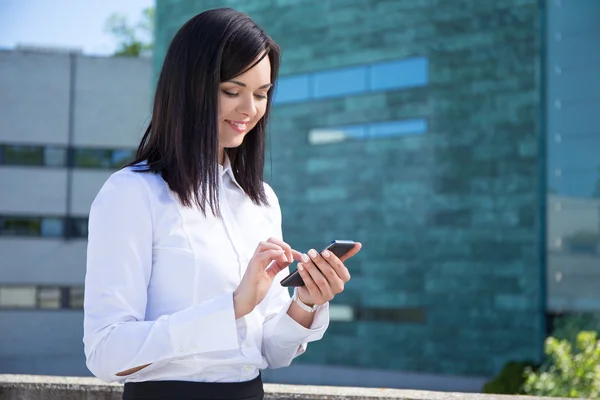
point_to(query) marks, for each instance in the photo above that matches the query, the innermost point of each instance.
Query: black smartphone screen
(337, 247)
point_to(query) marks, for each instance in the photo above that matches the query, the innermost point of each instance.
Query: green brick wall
(448, 218)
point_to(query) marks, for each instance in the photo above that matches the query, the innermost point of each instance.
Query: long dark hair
(181, 141)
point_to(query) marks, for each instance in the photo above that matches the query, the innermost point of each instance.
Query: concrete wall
(27, 387)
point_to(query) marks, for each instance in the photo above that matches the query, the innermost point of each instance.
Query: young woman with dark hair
(185, 243)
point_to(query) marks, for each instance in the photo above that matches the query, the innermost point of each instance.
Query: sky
(64, 23)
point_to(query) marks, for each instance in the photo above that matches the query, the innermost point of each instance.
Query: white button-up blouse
(160, 280)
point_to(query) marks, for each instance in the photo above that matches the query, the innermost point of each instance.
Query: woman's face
(242, 103)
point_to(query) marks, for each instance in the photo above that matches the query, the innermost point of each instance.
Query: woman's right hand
(269, 259)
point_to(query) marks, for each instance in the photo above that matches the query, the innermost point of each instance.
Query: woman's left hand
(324, 275)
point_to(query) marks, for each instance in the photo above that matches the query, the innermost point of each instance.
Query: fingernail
(305, 258)
(312, 253)
(290, 259)
(300, 267)
(326, 254)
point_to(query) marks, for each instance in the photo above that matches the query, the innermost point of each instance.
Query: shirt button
(247, 368)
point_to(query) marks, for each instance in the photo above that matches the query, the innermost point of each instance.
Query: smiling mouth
(238, 126)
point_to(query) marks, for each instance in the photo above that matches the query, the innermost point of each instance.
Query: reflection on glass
(388, 75)
(122, 157)
(76, 297)
(397, 128)
(340, 82)
(573, 253)
(23, 155)
(17, 297)
(93, 158)
(49, 297)
(52, 227)
(360, 132)
(79, 227)
(20, 226)
(399, 74)
(336, 134)
(55, 156)
(292, 88)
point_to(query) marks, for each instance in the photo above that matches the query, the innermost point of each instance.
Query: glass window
(122, 157)
(76, 297)
(55, 156)
(336, 134)
(78, 227)
(396, 128)
(292, 88)
(17, 297)
(2, 149)
(399, 74)
(340, 82)
(23, 155)
(49, 297)
(52, 227)
(93, 158)
(20, 226)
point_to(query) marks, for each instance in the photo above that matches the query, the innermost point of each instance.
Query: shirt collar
(226, 169)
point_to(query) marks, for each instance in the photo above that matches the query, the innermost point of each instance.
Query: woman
(185, 254)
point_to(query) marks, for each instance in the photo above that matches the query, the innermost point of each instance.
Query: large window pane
(52, 227)
(340, 82)
(55, 156)
(336, 134)
(23, 155)
(399, 74)
(93, 158)
(49, 297)
(120, 158)
(76, 297)
(20, 226)
(78, 227)
(397, 128)
(17, 297)
(292, 88)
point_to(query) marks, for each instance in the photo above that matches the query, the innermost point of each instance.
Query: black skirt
(181, 390)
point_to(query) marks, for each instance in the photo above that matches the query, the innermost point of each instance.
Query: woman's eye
(229, 94)
(261, 96)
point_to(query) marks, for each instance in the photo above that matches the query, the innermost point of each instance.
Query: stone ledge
(38, 387)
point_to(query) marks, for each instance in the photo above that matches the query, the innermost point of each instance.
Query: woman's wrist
(240, 307)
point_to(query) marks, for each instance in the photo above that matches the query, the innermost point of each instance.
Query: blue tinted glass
(337, 134)
(574, 153)
(52, 227)
(396, 128)
(581, 184)
(340, 82)
(399, 74)
(292, 88)
(354, 131)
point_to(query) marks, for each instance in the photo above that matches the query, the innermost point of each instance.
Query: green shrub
(568, 371)
(510, 380)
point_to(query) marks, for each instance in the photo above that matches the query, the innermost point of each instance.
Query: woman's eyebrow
(268, 85)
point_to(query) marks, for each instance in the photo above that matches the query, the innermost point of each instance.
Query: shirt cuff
(205, 327)
(291, 333)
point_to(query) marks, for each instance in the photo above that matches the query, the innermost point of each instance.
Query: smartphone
(337, 247)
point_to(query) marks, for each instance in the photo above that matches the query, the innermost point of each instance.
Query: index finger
(351, 253)
(286, 247)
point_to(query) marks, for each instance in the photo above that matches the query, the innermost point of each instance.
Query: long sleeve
(119, 265)
(283, 338)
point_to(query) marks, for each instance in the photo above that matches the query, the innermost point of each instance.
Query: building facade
(68, 121)
(457, 140)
